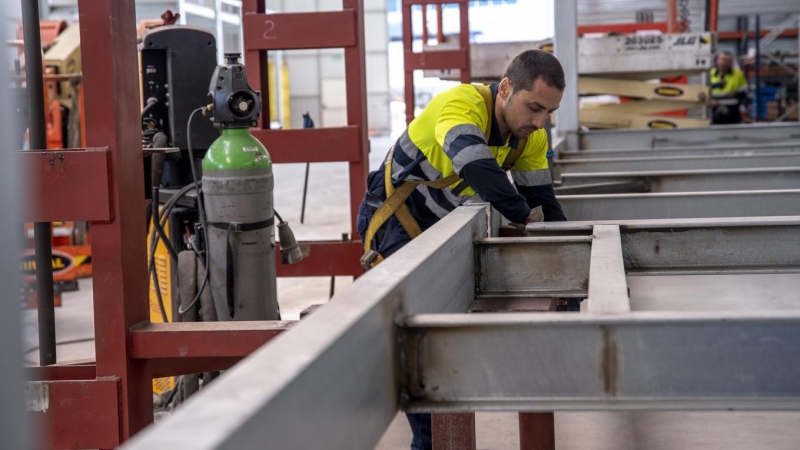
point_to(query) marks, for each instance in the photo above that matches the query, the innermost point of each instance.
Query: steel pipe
(38, 141)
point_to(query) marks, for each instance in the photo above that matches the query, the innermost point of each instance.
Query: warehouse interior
(236, 224)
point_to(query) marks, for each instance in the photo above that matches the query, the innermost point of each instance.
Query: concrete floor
(327, 218)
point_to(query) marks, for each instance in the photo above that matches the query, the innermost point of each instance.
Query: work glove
(536, 215)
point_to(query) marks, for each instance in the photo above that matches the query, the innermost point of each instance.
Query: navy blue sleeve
(545, 197)
(490, 182)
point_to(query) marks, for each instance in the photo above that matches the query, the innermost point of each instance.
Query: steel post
(537, 431)
(108, 44)
(566, 49)
(38, 141)
(453, 431)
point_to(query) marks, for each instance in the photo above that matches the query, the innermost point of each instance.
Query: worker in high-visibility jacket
(461, 145)
(728, 90)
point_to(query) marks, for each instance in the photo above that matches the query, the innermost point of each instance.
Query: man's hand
(536, 215)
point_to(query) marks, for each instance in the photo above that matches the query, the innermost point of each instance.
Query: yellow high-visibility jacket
(448, 137)
(728, 83)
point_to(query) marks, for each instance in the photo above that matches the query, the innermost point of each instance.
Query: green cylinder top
(236, 149)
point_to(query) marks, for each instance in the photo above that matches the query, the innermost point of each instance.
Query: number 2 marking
(270, 28)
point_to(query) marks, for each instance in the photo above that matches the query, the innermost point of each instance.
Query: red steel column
(257, 66)
(110, 74)
(356, 80)
(408, 39)
(463, 10)
(453, 431)
(537, 431)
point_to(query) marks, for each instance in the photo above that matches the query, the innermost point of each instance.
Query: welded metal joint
(609, 367)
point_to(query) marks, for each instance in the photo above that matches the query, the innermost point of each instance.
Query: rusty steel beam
(56, 178)
(110, 73)
(436, 59)
(312, 144)
(201, 339)
(324, 258)
(285, 31)
(290, 31)
(172, 367)
(68, 370)
(75, 414)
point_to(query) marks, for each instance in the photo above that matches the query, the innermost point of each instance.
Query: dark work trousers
(391, 238)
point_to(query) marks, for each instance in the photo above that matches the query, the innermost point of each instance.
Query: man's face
(526, 111)
(724, 62)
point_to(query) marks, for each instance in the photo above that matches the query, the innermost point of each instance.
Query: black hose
(151, 102)
(161, 219)
(200, 211)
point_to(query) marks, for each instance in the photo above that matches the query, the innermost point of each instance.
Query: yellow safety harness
(395, 204)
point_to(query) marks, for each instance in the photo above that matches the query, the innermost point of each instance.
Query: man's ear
(504, 88)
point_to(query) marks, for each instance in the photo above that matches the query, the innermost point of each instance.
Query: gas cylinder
(237, 188)
(237, 193)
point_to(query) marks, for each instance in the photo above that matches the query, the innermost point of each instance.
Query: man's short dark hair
(532, 65)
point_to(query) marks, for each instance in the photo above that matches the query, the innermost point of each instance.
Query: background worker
(458, 147)
(728, 90)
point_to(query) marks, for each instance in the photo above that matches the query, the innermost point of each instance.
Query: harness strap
(395, 197)
(234, 228)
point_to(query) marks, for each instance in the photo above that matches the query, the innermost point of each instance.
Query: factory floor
(327, 218)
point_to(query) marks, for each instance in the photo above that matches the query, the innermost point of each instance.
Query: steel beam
(680, 181)
(289, 31)
(532, 267)
(681, 205)
(641, 360)
(338, 368)
(693, 150)
(54, 179)
(608, 287)
(707, 246)
(667, 163)
(202, 339)
(64, 412)
(566, 49)
(324, 258)
(718, 134)
(598, 257)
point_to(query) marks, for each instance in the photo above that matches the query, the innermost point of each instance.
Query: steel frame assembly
(434, 59)
(332, 29)
(399, 339)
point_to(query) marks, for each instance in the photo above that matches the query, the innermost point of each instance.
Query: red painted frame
(130, 351)
(315, 30)
(444, 59)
